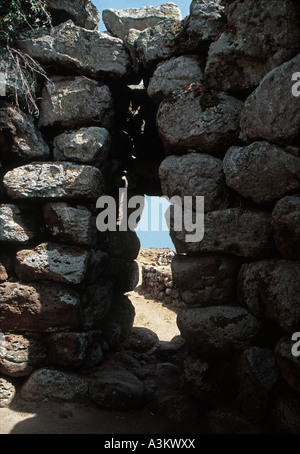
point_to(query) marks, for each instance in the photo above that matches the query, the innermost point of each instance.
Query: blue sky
(184, 5)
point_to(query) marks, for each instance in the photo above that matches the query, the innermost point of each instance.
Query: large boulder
(254, 42)
(49, 384)
(158, 43)
(53, 262)
(7, 392)
(173, 75)
(235, 231)
(205, 23)
(87, 52)
(20, 140)
(286, 225)
(119, 22)
(54, 180)
(86, 145)
(194, 174)
(19, 224)
(70, 224)
(82, 12)
(215, 331)
(272, 112)
(202, 121)
(38, 307)
(75, 101)
(262, 172)
(23, 354)
(270, 289)
(205, 281)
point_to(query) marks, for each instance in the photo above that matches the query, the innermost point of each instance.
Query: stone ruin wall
(218, 119)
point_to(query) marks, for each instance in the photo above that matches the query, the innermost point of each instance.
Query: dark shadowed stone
(54, 180)
(215, 331)
(194, 174)
(286, 414)
(38, 307)
(271, 289)
(205, 281)
(48, 384)
(286, 225)
(75, 101)
(67, 349)
(117, 390)
(258, 374)
(225, 422)
(23, 354)
(69, 224)
(140, 340)
(235, 231)
(262, 172)
(83, 12)
(20, 140)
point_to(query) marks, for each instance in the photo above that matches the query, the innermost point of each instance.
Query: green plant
(19, 15)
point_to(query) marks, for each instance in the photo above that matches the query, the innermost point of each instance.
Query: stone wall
(217, 118)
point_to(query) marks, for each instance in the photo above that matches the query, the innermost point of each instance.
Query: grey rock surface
(90, 53)
(271, 112)
(286, 225)
(54, 180)
(18, 224)
(262, 172)
(83, 12)
(119, 21)
(75, 101)
(7, 392)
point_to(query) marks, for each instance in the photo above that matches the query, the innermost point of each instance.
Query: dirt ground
(69, 418)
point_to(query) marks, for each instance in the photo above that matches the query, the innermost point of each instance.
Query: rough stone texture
(86, 145)
(140, 340)
(18, 224)
(216, 331)
(130, 43)
(23, 354)
(235, 231)
(67, 349)
(117, 390)
(38, 307)
(119, 322)
(5, 267)
(48, 384)
(75, 101)
(194, 174)
(227, 422)
(97, 302)
(54, 180)
(286, 225)
(68, 224)
(87, 52)
(184, 124)
(158, 43)
(259, 374)
(286, 414)
(288, 363)
(262, 172)
(7, 392)
(205, 22)
(83, 12)
(271, 289)
(119, 22)
(254, 42)
(19, 138)
(53, 262)
(173, 75)
(205, 281)
(131, 276)
(272, 112)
